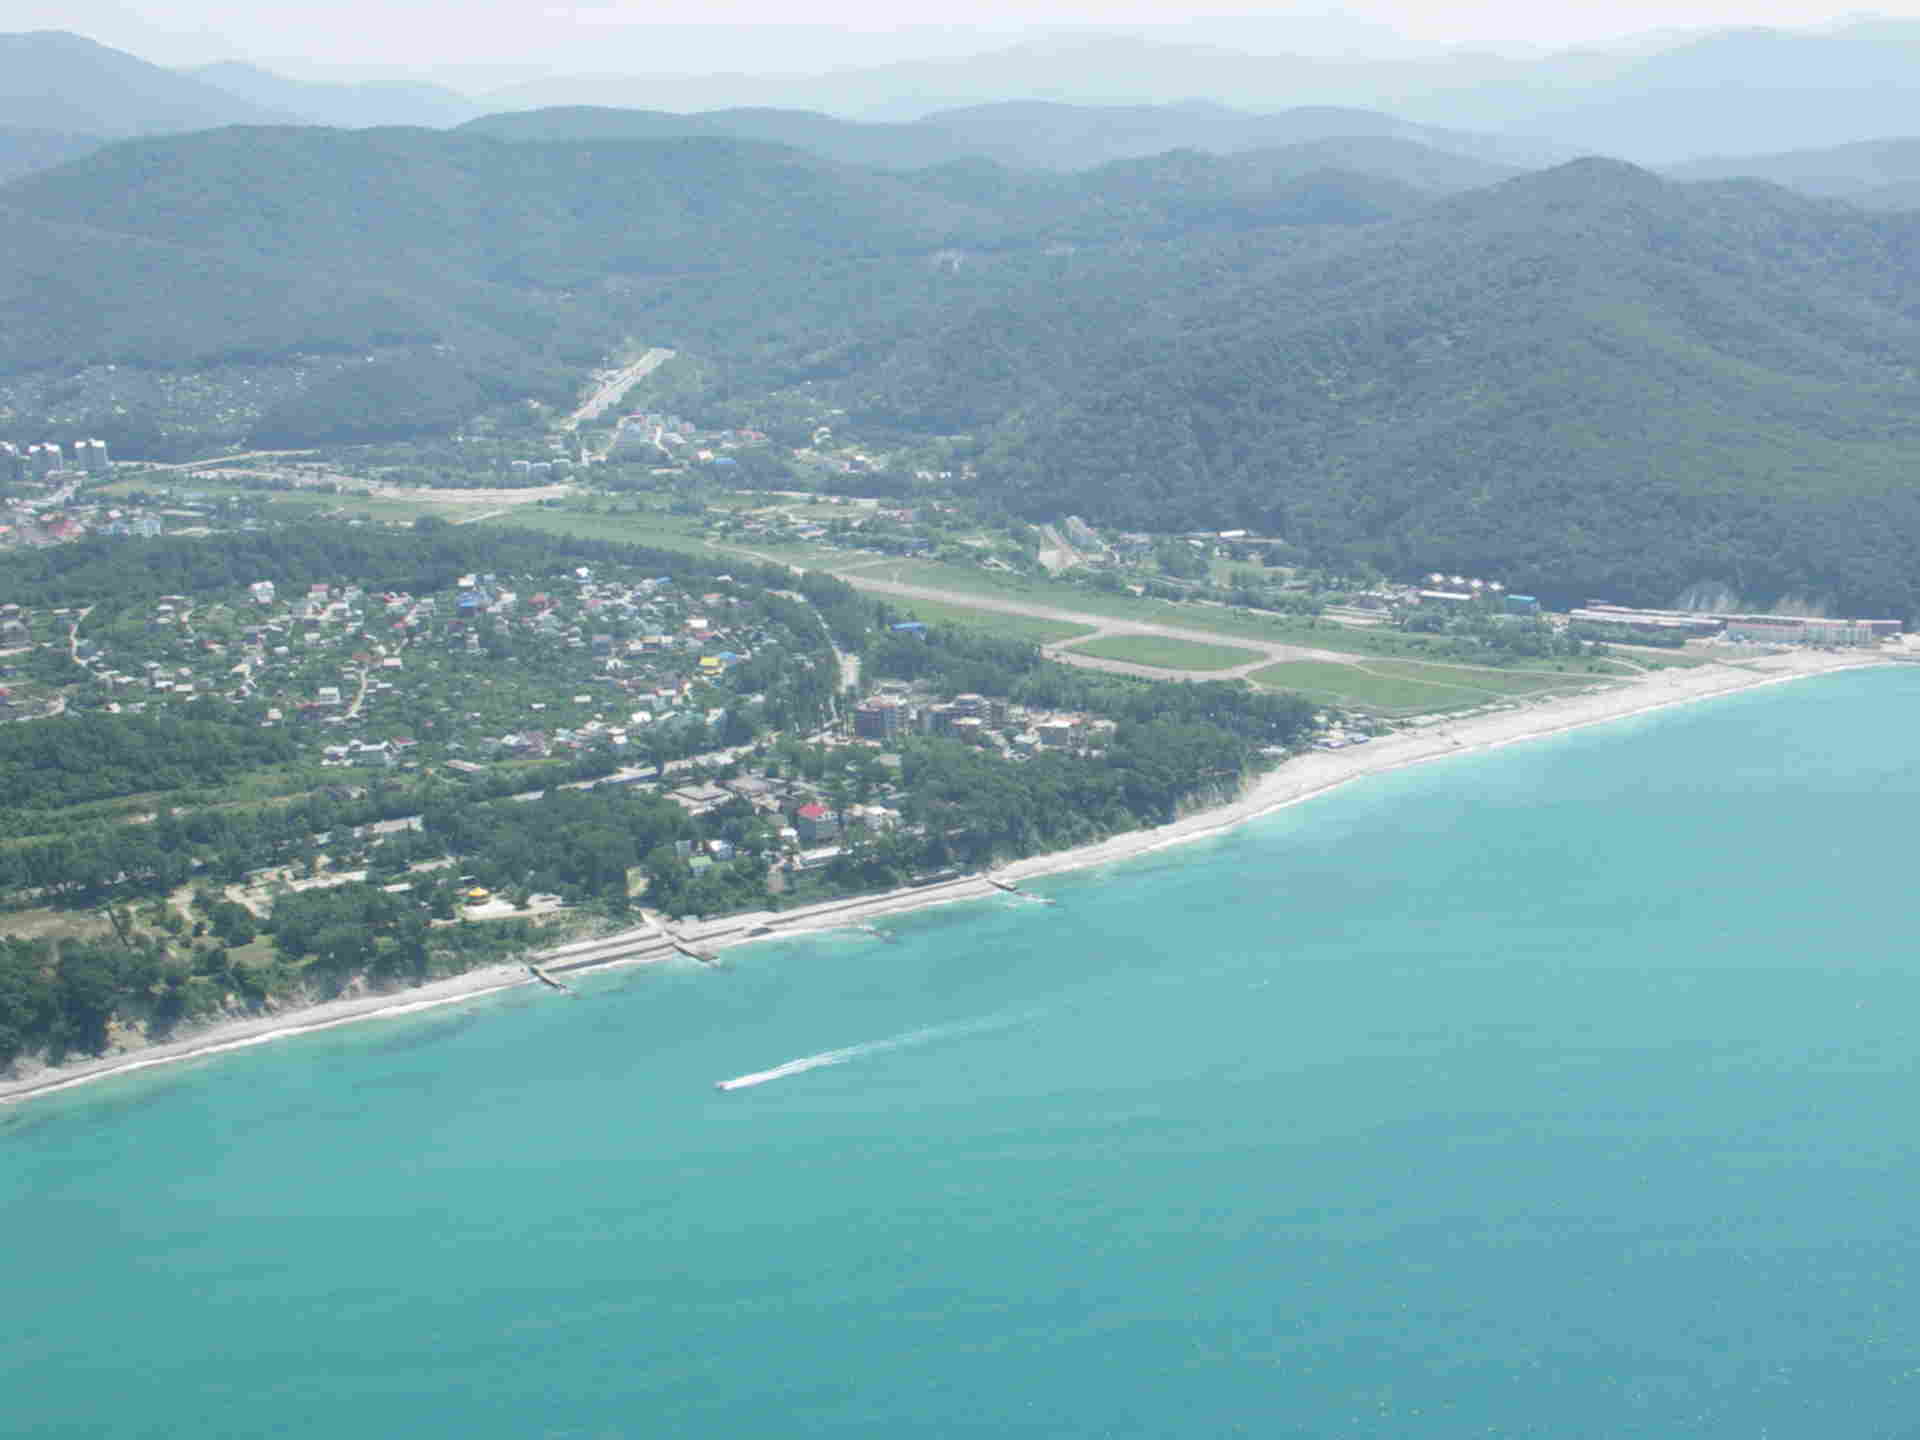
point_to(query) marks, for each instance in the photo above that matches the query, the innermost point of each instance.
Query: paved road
(228, 459)
(609, 394)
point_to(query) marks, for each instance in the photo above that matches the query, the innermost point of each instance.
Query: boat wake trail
(872, 1047)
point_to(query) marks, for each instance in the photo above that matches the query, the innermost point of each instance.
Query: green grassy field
(651, 527)
(1648, 657)
(1016, 627)
(1351, 687)
(1165, 654)
(1494, 682)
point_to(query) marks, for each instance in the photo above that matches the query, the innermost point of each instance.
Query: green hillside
(73, 294)
(178, 250)
(1588, 381)
(493, 267)
(544, 216)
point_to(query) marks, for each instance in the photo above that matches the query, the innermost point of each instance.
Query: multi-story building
(1806, 630)
(91, 456)
(1058, 733)
(881, 718)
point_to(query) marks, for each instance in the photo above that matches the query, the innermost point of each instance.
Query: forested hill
(1589, 381)
(545, 216)
(495, 268)
(509, 257)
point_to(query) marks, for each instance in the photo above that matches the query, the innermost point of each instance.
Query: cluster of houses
(797, 811)
(331, 655)
(894, 710)
(669, 439)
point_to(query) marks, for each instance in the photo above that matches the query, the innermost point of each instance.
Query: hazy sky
(618, 35)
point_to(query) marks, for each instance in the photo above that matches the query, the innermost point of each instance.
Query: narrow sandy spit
(1298, 780)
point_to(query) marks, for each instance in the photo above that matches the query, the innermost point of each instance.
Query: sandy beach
(1298, 780)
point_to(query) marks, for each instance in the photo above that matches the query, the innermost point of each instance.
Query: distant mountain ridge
(349, 106)
(50, 80)
(1052, 135)
(1859, 172)
(882, 146)
(1725, 91)
(1111, 96)
(1044, 136)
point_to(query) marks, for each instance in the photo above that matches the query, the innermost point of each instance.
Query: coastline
(1295, 782)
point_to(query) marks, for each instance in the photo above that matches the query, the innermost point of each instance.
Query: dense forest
(72, 759)
(1588, 382)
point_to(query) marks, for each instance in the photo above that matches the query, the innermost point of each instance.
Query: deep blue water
(1566, 1090)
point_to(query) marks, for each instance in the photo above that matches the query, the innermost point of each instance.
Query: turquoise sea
(1565, 1090)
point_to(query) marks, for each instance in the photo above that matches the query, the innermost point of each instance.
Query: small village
(381, 678)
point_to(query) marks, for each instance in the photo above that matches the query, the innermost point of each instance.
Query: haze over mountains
(351, 106)
(61, 94)
(50, 80)
(1044, 135)
(1673, 100)
(1721, 92)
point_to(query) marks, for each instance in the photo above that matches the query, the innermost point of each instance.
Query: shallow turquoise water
(1564, 1091)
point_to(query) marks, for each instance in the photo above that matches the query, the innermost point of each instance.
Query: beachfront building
(1807, 630)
